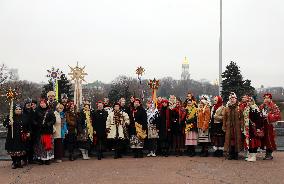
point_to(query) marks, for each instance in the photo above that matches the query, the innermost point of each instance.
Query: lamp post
(220, 48)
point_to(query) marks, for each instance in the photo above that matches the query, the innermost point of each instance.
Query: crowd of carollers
(41, 132)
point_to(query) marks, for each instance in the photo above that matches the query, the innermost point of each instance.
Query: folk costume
(115, 124)
(72, 119)
(44, 120)
(85, 131)
(232, 128)
(203, 119)
(191, 130)
(216, 124)
(253, 128)
(271, 114)
(16, 137)
(138, 129)
(99, 125)
(165, 128)
(153, 118)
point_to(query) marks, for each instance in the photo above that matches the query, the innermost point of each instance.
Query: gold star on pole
(77, 73)
(140, 70)
(154, 84)
(11, 94)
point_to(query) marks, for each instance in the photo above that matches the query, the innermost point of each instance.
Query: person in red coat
(271, 114)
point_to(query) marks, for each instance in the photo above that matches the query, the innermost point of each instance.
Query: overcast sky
(113, 37)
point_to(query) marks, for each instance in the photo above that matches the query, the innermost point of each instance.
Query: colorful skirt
(191, 138)
(152, 132)
(203, 136)
(41, 152)
(136, 143)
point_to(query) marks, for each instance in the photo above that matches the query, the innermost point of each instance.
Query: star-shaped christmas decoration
(77, 73)
(154, 84)
(54, 74)
(11, 94)
(140, 70)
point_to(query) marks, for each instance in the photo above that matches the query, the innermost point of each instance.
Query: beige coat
(218, 117)
(113, 128)
(57, 126)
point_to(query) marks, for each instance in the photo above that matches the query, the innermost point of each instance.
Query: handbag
(141, 134)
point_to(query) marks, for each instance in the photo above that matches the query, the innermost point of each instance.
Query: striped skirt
(203, 136)
(191, 138)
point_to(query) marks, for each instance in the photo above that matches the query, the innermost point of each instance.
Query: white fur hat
(232, 95)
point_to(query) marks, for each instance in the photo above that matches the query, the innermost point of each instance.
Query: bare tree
(4, 73)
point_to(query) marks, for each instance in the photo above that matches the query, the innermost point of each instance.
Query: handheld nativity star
(11, 95)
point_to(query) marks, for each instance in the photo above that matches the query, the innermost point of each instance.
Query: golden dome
(185, 61)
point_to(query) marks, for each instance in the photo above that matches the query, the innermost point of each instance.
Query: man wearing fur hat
(232, 128)
(271, 114)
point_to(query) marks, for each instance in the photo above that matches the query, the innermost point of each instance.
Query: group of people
(41, 132)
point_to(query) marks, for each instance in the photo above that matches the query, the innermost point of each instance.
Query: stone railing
(280, 135)
(3, 134)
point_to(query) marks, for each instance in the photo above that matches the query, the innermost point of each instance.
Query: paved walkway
(171, 170)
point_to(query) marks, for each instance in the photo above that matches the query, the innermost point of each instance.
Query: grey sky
(113, 37)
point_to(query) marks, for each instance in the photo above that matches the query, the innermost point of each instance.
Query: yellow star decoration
(77, 73)
(140, 70)
(154, 84)
(11, 94)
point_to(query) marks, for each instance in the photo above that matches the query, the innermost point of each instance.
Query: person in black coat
(44, 119)
(15, 140)
(139, 116)
(99, 125)
(28, 118)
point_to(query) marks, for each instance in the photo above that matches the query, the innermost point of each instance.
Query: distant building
(185, 75)
(272, 90)
(277, 92)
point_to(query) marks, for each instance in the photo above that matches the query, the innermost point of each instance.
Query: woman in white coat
(116, 123)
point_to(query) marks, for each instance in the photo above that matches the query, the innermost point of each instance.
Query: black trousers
(253, 150)
(71, 142)
(101, 142)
